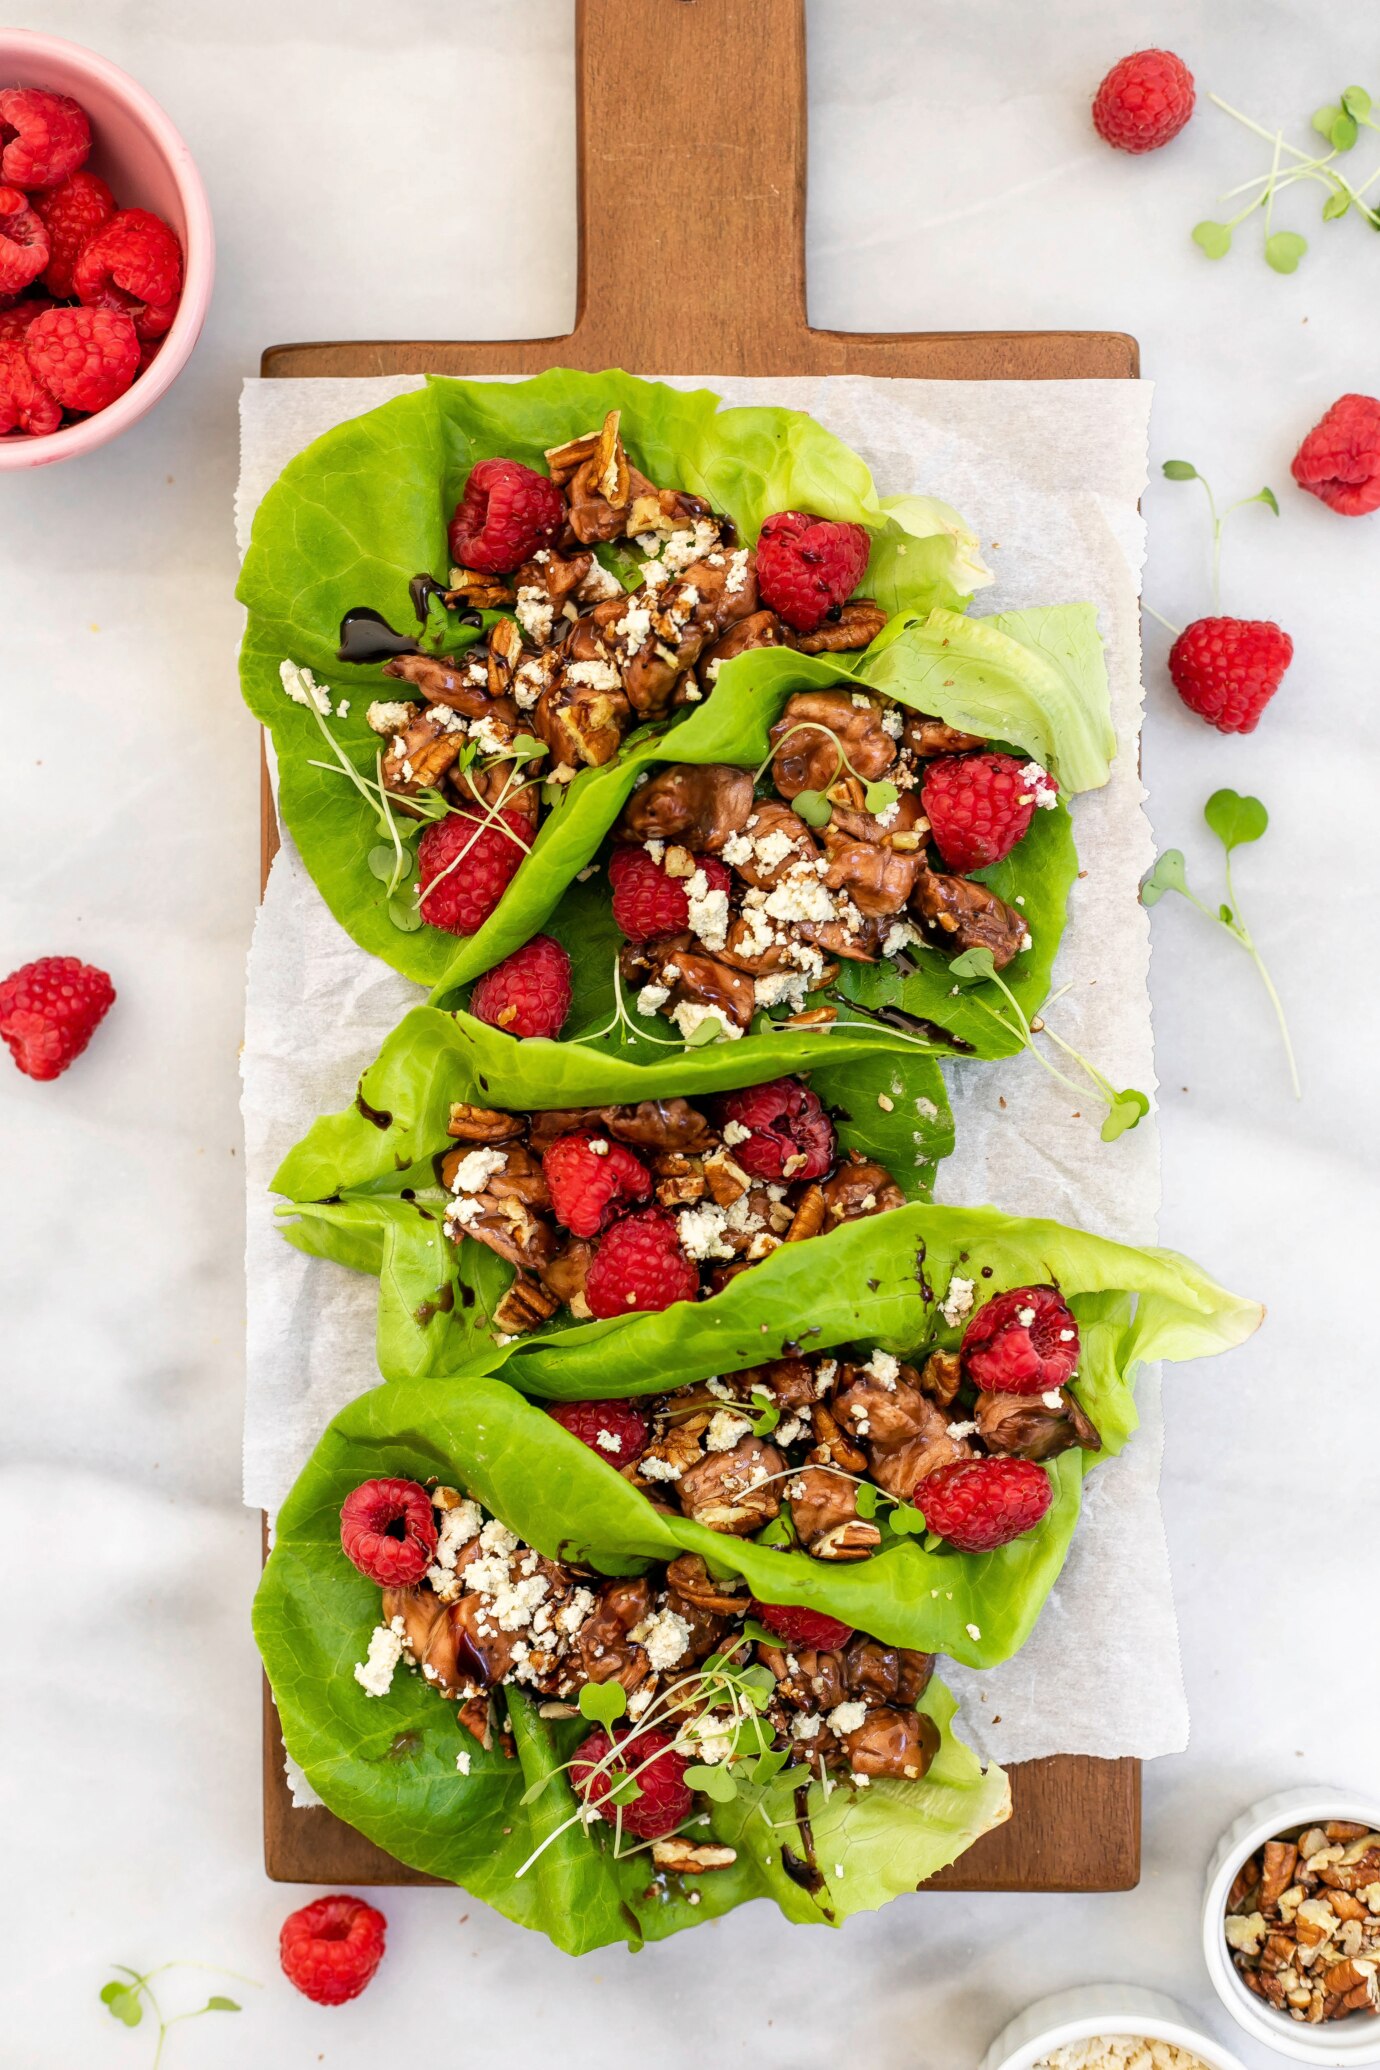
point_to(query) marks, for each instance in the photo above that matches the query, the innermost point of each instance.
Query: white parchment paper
(1049, 474)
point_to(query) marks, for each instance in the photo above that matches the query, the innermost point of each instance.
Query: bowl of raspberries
(106, 250)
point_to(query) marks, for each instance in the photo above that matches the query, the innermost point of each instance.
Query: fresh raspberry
(43, 136)
(49, 1010)
(1228, 669)
(1144, 101)
(388, 1530)
(978, 1504)
(15, 321)
(1339, 461)
(506, 513)
(647, 901)
(488, 861)
(84, 357)
(799, 1627)
(791, 1135)
(980, 806)
(25, 404)
(808, 566)
(1022, 1342)
(591, 1179)
(331, 1948)
(134, 263)
(23, 242)
(528, 993)
(71, 213)
(640, 1265)
(666, 1798)
(617, 1431)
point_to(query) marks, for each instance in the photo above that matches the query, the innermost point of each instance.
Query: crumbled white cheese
(691, 1014)
(960, 1430)
(708, 911)
(805, 1726)
(535, 614)
(386, 1643)
(447, 720)
(462, 1763)
(900, 935)
(974, 1631)
(389, 718)
(701, 1231)
(958, 1302)
(1025, 1317)
(883, 1368)
(1052, 1399)
(892, 721)
(592, 675)
(773, 848)
(847, 1717)
(634, 626)
(486, 736)
(651, 997)
(474, 1171)
(782, 988)
(1039, 780)
(607, 1442)
(665, 1637)
(457, 1527)
(653, 1469)
(725, 1431)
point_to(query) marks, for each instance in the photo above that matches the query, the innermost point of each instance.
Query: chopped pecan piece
(524, 1306)
(699, 805)
(565, 1275)
(813, 727)
(760, 629)
(692, 1857)
(822, 1501)
(670, 1125)
(859, 1188)
(704, 981)
(925, 736)
(460, 681)
(940, 1377)
(582, 717)
(482, 1124)
(594, 472)
(471, 589)
(857, 625)
(418, 759)
(606, 1652)
(736, 1491)
(690, 1577)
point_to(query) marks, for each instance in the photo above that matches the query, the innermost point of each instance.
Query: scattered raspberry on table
(1144, 101)
(528, 993)
(1227, 669)
(49, 1010)
(1339, 461)
(331, 1948)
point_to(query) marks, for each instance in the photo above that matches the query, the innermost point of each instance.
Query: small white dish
(1090, 2010)
(1341, 2044)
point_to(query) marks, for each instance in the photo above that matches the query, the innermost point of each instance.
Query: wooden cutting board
(695, 111)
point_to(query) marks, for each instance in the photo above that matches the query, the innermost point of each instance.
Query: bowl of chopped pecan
(1106, 2027)
(1291, 1925)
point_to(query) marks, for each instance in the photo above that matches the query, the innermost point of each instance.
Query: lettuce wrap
(363, 1188)
(365, 508)
(387, 1764)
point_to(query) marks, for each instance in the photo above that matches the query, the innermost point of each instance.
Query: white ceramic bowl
(1340, 2043)
(1107, 2009)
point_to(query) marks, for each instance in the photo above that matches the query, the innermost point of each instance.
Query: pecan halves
(857, 625)
(482, 1124)
(525, 1306)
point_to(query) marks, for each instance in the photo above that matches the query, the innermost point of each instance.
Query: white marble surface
(955, 183)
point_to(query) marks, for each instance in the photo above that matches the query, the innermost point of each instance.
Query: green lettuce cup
(365, 1187)
(354, 518)
(502, 1824)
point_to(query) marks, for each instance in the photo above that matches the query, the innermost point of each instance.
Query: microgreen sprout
(1236, 821)
(129, 1994)
(1340, 124)
(1125, 1108)
(814, 807)
(1185, 471)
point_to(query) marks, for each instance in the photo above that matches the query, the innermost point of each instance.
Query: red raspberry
(471, 862)
(1228, 669)
(792, 1136)
(14, 322)
(506, 513)
(647, 901)
(43, 136)
(1022, 1342)
(49, 1010)
(591, 1179)
(71, 213)
(23, 242)
(980, 806)
(84, 357)
(25, 404)
(617, 1431)
(331, 1948)
(1144, 101)
(808, 566)
(134, 263)
(640, 1265)
(799, 1627)
(388, 1530)
(528, 993)
(1339, 461)
(978, 1504)
(666, 1798)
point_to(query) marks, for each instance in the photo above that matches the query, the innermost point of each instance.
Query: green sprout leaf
(1357, 101)
(526, 746)
(974, 964)
(767, 1767)
(714, 1780)
(813, 807)
(1336, 205)
(603, 1703)
(866, 1499)
(767, 1417)
(1167, 875)
(1123, 1112)
(1324, 117)
(1284, 249)
(1215, 240)
(878, 796)
(123, 2001)
(382, 862)
(907, 1519)
(219, 2004)
(1268, 498)
(1180, 471)
(404, 913)
(710, 1029)
(1235, 820)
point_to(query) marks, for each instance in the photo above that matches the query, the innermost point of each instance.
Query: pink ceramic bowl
(144, 161)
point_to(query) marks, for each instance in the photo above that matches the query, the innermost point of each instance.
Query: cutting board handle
(690, 134)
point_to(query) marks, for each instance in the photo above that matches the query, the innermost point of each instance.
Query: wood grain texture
(737, 165)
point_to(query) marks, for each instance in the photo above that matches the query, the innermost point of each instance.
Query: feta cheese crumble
(386, 1644)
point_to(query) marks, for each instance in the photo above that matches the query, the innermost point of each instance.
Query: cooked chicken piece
(582, 715)
(482, 1124)
(857, 625)
(699, 805)
(519, 1177)
(460, 681)
(760, 629)
(418, 759)
(892, 1743)
(899, 1466)
(789, 1381)
(808, 1680)
(770, 826)
(877, 1414)
(652, 675)
(955, 913)
(859, 1188)
(1025, 1426)
(740, 952)
(605, 1651)
(736, 1491)
(886, 1674)
(565, 1275)
(725, 590)
(508, 1228)
(877, 879)
(905, 828)
(821, 1501)
(812, 728)
(558, 580)
(861, 944)
(430, 1635)
(670, 1125)
(705, 982)
(925, 737)
(484, 1652)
